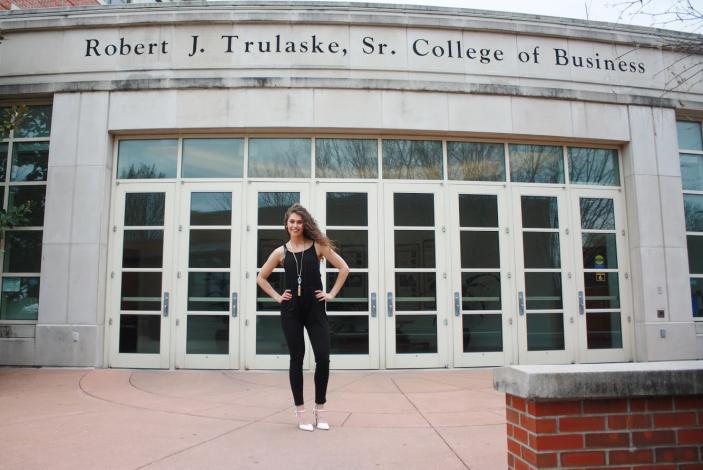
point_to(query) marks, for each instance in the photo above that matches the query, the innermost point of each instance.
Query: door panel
(483, 315)
(142, 276)
(349, 215)
(266, 206)
(209, 275)
(415, 276)
(603, 290)
(543, 276)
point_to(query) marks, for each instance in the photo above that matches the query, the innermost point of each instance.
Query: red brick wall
(664, 433)
(29, 4)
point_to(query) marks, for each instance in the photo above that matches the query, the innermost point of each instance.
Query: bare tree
(687, 70)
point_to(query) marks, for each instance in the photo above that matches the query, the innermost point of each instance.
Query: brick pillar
(632, 416)
(663, 432)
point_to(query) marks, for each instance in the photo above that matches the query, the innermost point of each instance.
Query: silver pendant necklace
(299, 269)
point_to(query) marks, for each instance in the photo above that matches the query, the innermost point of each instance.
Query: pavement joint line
(210, 404)
(431, 426)
(144, 408)
(259, 420)
(345, 420)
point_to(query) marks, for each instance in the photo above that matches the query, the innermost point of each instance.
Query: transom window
(364, 159)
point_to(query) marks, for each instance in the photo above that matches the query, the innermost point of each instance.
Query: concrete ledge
(601, 380)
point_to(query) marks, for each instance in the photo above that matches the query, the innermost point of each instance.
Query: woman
(303, 304)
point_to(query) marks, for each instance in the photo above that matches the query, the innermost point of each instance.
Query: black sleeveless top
(311, 277)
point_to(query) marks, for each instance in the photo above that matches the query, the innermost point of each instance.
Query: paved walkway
(123, 419)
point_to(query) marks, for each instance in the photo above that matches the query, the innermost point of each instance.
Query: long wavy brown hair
(310, 229)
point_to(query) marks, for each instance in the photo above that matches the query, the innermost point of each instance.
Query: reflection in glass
(692, 172)
(541, 250)
(478, 210)
(347, 209)
(279, 158)
(273, 206)
(208, 292)
(594, 166)
(209, 248)
(346, 158)
(543, 291)
(536, 164)
(414, 249)
(267, 241)
(689, 134)
(415, 334)
(354, 296)
(413, 209)
(147, 159)
(695, 254)
(29, 161)
(210, 208)
(143, 249)
(415, 291)
(599, 251)
(601, 290)
(269, 335)
(207, 334)
(140, 334)
(480, 291)
(597, 214)
(412, 159)
(482, 333)
(264, 303)
(697, 296)
(352, 245)
(693, 208)
(35, 196)
(540, 212)
(3, 160)
(141, 291)
(349, 334)
(479, 250)
(20, 298)
(473, 161)
(144, 209)
(545, 331)
(22, 252)
(36, 123)
(603, 330)
(213, 158)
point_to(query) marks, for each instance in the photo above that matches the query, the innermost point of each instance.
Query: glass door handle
(234, 304)
(390, 304)
(521, 302)
(373, 305)
(457, 304)
(165, 307)
(582, 305)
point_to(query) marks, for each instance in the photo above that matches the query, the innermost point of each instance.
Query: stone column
(74, 251)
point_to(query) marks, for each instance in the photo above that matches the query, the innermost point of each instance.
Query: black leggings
(307, 312)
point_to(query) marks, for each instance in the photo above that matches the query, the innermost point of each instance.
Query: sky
(613, 11)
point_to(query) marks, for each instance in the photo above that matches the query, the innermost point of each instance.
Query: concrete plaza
(143, 419)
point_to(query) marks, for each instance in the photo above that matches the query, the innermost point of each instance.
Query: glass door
(416, 288)
(266, 206)
(141, 276)
(603, 289)
(207, 321)
(349, 216)
(544, 276)
(481, 298)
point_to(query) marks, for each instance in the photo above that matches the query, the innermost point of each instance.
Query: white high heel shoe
(302, 425)
(319, 422)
